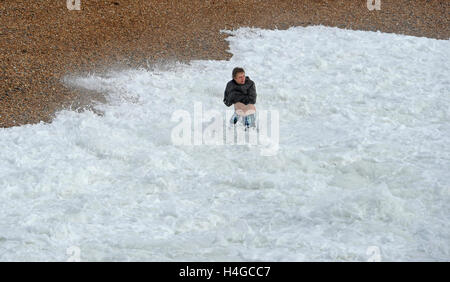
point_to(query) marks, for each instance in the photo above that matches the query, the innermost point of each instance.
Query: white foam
(363, 159)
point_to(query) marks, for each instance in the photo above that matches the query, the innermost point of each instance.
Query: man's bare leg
(244, 110)
(247, 112)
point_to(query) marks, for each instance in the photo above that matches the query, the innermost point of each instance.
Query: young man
(241, 92)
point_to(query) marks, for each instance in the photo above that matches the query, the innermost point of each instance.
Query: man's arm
(227, 96)
(252, 94)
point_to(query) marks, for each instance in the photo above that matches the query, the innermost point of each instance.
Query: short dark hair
(237, 70)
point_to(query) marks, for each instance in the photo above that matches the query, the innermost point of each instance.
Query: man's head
(239, 75)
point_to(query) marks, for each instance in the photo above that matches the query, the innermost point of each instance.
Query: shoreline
(43, 42)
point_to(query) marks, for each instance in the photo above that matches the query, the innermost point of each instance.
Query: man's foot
(234, 119)
(249, 121)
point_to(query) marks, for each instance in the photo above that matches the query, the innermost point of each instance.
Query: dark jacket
(244, 93)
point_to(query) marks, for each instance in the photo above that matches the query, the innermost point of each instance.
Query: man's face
(240, 78)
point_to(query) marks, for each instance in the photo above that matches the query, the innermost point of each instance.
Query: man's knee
(244, 110)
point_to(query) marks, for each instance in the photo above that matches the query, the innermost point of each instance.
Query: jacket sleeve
(252, 94)
(227, 97)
